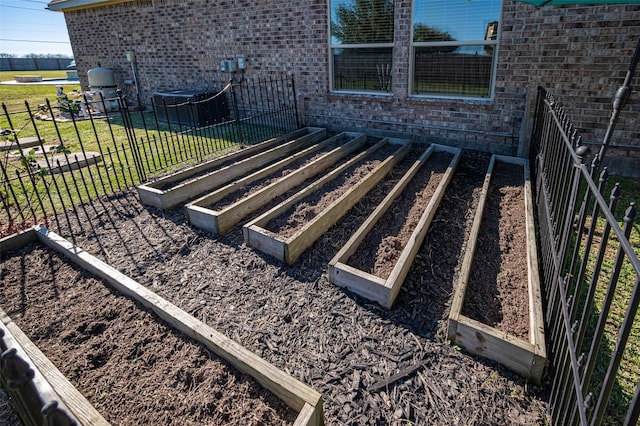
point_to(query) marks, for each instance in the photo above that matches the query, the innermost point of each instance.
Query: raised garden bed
(189, 374)
(204, 212)
(35, 401)
(496, 311)
(292, 226)
(172, 190)
(377, 258)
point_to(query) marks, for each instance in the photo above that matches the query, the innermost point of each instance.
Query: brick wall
(581, 54)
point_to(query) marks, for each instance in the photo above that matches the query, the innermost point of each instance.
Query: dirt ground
(133, 367)
(371, 365)
(380, 250)
(497, 283)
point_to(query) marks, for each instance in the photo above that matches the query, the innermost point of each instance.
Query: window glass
(462, 71)
(362, 45)
(453, 20)
(454, 45)
(361, 21)
(363, 69)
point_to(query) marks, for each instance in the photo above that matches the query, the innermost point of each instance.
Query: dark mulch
(372, 366)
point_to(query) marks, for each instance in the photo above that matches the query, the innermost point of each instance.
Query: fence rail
(56, 157)
(591, 277)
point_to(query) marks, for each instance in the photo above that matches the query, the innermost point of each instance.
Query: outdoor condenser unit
(204, 108)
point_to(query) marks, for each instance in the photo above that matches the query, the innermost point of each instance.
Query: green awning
(585, 2)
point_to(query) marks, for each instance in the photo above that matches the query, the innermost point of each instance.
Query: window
(454, 47)
(361, 45)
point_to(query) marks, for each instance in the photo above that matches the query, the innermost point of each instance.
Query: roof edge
(67, 5)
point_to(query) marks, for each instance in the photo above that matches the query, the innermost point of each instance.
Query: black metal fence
(591, 278)
(56, 157)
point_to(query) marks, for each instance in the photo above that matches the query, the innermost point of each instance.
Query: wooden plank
(535, 292)
(264, 241)
(220, 193)
(356, 239)
(461, 285)
(313, 229)
(233, 214)
(345, 276)
(485, 341)
(261, 221)
(223, 220)
(291, 391)
(191, 189)
(526, 358)
(511, 160)
(401, 269)
(53, 383)
(362, 283)
(17, 240)
(215, 162)
(309, 416)
(151, 194)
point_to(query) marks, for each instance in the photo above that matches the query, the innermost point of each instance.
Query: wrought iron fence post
(131, 137)
(236, 112)
(295, 102)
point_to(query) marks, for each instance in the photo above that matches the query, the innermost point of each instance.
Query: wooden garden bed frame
(291, 391)
(182, 188)
(289, 249)
(527, 358)
(37, 402)
(221, 221)
(385, 291)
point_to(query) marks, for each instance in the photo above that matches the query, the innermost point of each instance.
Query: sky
(27, 27)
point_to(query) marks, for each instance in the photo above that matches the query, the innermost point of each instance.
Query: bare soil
(302, 212)
(497, 292)
(131, 365)
(372, 365)
(256, 186)
(380, 250)
(165, 185)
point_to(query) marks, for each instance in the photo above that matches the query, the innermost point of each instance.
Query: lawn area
(13, 96)
(628, 375)
(133, 147)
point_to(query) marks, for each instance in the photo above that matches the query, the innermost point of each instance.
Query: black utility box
(191, 108)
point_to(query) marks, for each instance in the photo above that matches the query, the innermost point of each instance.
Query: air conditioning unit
(191, 108)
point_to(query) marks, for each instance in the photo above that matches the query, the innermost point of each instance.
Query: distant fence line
(33, 64)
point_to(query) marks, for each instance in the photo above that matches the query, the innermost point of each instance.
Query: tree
(364, 21)
(425, 33)
(422, 32)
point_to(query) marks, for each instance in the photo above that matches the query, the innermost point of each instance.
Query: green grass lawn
(159, 148)
(628, 375)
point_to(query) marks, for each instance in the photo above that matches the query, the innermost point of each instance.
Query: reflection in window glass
(361, 44)
(361, 21)
(463, 71)
(364, 69)
(453, 46)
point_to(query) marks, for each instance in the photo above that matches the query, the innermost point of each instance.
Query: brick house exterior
(579, 53)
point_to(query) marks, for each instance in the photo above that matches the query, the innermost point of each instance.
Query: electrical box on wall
(242, 63)
(228, 65)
